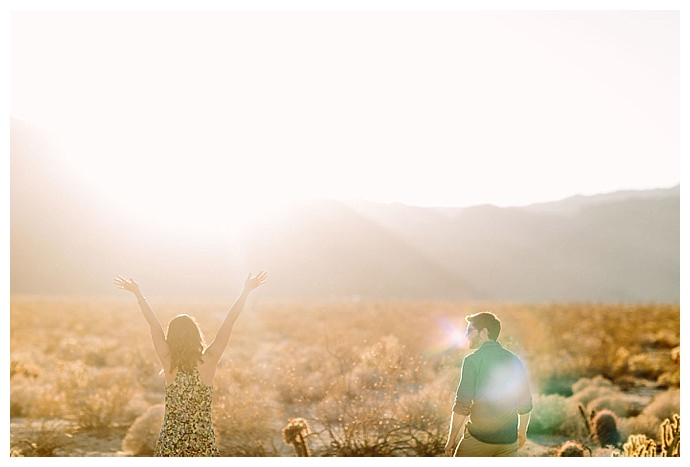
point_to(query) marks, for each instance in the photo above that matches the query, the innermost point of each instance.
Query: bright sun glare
(222, 123)
(170, 183)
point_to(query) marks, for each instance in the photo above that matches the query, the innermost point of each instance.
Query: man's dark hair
(486, 320)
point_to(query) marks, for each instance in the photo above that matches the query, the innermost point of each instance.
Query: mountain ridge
(615, 247)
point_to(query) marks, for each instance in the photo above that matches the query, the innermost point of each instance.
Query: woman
(189, 369)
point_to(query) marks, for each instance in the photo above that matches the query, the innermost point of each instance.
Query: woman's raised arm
(157, 334)
(217, 347)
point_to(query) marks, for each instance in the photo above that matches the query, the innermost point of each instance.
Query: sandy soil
(70, 442)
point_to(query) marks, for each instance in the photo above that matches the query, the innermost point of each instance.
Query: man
(493, 401)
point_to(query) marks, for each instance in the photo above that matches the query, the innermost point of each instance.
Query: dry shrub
(428, 406)
(32, 388)
(142, 436)
(359, 424)
(661, 339)
(597, 381)
(664, 405)
(323, 366)
(643, 424)
(377, 407)
(93, 350)
(245, 415)
(96, 398)
(35, 398)
(139, 403)
(671, 377)
(632, 416)
(648, 366)
(294, 388)
(145, 368)
(585, 390)
(425, 415)
(618, 403)
(548, 414)
(675, 355)
(24, 367)
(620, 361)
(386, 364)
(574, 425)
(41, 438)
(24, 392)
(300, 376)
(49, 404)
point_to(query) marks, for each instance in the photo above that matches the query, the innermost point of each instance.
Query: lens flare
(452, 337)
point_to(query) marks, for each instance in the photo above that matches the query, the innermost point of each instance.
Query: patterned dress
(187, 428)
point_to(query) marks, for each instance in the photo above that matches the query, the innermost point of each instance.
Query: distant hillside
(609, 248)
(575, 203)
(615, 247)
(327, 249)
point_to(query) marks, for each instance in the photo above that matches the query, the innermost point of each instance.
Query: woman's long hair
(186, 343)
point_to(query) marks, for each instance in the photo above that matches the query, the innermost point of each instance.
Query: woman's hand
(129, 285)
(253, 282)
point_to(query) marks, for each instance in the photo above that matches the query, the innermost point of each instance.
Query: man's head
(482, 327)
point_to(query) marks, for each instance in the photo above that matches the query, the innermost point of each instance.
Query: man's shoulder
(510, 356)
(472, 357)
(494, 348)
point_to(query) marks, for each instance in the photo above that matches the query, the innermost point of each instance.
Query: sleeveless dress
(187, 428)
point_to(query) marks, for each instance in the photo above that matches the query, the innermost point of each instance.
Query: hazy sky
(196, 111)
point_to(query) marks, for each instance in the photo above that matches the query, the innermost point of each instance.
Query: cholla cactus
(670, 437)
(573, 449)
(294, 433)
(639, 446)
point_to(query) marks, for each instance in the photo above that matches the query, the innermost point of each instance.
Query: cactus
(670, 437)
(605, 428)
(601, 426)
(639, 446)
(295, 433)
(572, 449)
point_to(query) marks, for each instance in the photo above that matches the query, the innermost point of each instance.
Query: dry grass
(370, 378)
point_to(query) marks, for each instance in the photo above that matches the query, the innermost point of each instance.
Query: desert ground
(367, 378)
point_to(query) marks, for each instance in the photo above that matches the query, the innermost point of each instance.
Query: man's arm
(524, 407)
(523, 423)
(457, 426)
(464, 397)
